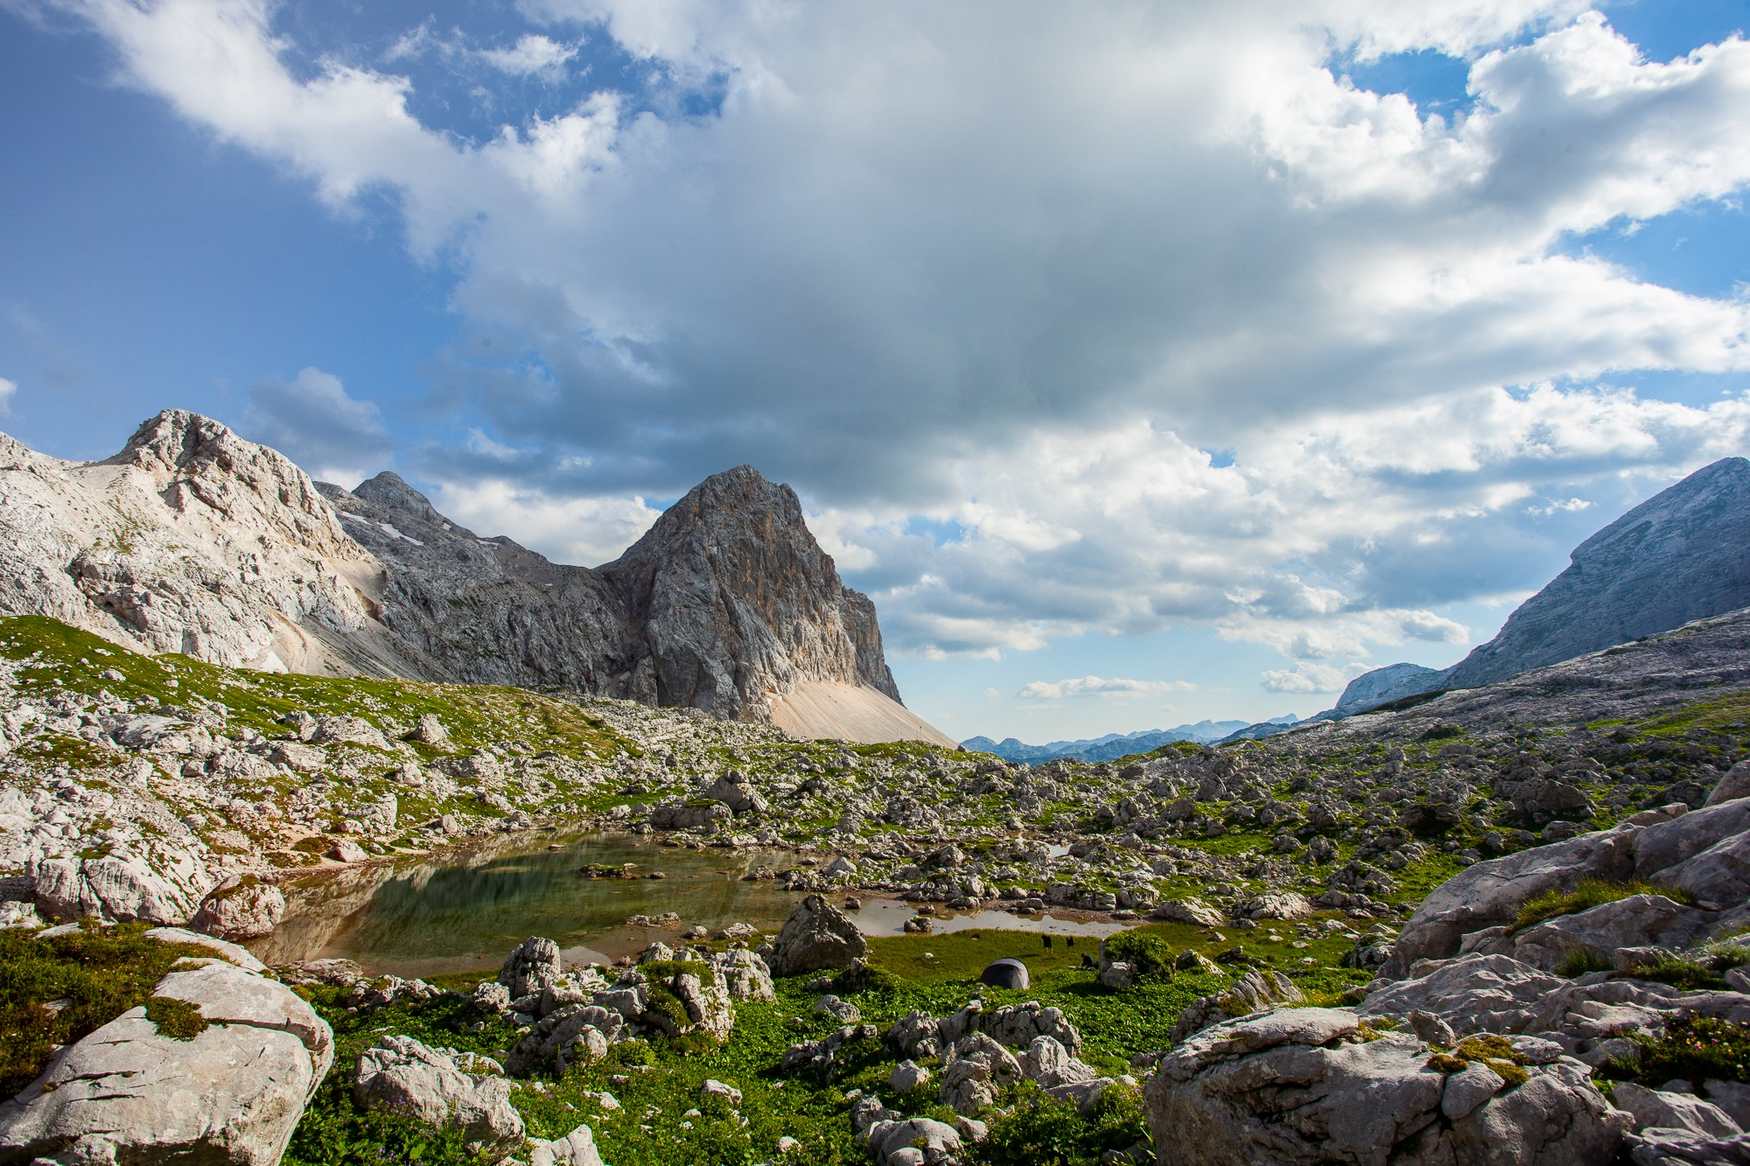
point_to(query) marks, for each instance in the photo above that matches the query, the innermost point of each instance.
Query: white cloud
(870, 272)
(8, 389)
(533, 55)
(315, 422)
(1103, 687)
(584, 531)
(1304, 678)
(1570, 506)
(530, 55)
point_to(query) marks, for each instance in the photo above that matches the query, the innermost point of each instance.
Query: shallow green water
(460, 915)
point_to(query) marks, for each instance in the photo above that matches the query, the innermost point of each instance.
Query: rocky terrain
(196, 541)
(1496, 924)
(1339, 886)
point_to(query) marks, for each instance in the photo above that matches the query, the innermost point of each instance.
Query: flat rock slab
(128, 1093)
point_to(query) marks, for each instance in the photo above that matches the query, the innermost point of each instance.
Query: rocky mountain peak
(194, 539)
(733, 563)
(1683, 554)
(389, 491)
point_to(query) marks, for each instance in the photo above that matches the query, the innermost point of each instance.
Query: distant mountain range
(1682, 555)
(1111, 746)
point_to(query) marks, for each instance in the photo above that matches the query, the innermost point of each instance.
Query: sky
(1144, 362)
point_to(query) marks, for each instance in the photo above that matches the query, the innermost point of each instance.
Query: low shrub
(1042, 1131)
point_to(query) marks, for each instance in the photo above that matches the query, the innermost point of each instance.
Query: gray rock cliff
(1683, 554)
(195, 540)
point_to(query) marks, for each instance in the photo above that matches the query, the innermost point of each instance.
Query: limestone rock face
(1702, 852)
(734, 598)
(128, 1093)
(191, 540)
(194, 540)
(1678, 556)
(1304, 1085)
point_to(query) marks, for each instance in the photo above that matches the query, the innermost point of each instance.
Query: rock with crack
(404, 1076)
(1307, 1085)
(241, 908)
(230, 1093)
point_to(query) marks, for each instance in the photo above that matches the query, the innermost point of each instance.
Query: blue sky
(1205, 361)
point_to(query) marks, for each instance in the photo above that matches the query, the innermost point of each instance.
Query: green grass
(57, 990)
(1585, 895)
(1728, 714)
(57, 657)
(657, 1082)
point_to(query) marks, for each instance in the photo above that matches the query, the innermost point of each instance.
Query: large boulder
(232, 1093)
(403, 1076)
(816, 936)
(241, 908)
(531, 967)
(1496, 993)
(122, 887)
(1308, 1085)
(1734, 785)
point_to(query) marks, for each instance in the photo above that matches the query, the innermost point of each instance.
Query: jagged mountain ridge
(196, 540)
(1108, 747)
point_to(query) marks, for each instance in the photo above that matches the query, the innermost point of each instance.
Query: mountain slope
(192, 540)
(195, 540)
(1383, 685)
(1681, 555)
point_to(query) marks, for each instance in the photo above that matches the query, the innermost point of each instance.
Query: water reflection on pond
(464, 914)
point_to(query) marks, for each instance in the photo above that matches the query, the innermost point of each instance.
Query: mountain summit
(193, 539)
(1683, 554)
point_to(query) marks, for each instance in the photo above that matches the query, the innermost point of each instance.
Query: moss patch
(177, 1019)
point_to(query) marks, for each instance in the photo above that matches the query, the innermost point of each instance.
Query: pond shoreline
(458, 910)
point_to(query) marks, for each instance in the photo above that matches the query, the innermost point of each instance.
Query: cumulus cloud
(583, 531)
(8, 389)
(905, 302)
(1103, 687)
(315, 422)
(1304, 679)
